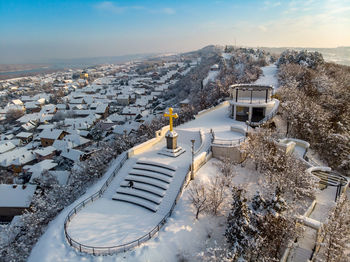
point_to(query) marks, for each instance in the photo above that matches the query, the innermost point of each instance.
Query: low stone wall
(239, 129)
(318, 168)
(200, 113)
(232, 153)
(287, 147)
(141, 148)
(298, 142)
(202, 138)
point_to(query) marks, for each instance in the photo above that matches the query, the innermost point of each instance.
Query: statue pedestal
(171, 140)
(171, 145)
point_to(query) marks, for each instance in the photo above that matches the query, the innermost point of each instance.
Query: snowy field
(210, 77)
(269, 76)
(108, 222)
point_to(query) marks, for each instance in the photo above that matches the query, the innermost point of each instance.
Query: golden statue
(171, 116)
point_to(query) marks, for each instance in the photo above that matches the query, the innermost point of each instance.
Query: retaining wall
(141, 148)
(200, 113)
(232, 153)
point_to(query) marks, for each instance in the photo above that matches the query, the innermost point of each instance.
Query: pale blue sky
(35, 30)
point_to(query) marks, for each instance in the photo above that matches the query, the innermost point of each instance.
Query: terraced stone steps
(154, 169)
(145, 162)
(137, 201)
(140, 194)
(147, 188)
(153, 175)
(150, 182)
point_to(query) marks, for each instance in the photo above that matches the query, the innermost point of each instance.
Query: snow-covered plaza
(121, 216)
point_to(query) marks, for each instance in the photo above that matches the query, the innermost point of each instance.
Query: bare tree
(216, 194)
(198, 197)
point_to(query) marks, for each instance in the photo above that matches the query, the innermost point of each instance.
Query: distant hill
(339, 55)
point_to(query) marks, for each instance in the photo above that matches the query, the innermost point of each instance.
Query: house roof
(72, 154)
(18, 156)
(16, 197)
(128, 126)
(46, 164)
(24, 135)
(46, 126)
(50, 133)
(28, 126)
(6, 146)
(17, 102)
(45, 151)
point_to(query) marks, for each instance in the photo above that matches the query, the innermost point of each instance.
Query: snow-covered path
(269, 76)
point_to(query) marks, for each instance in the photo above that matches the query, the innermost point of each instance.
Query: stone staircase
(150, 183)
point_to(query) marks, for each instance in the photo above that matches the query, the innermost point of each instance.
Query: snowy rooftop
(50, 133)
(45, 151)
(18, 196)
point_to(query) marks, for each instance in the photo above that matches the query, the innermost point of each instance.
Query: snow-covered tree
(314, 102)
(240, 232)
(280, 170)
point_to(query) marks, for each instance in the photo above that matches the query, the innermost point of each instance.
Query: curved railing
(227, 142)
(78, 207)
(123, 247)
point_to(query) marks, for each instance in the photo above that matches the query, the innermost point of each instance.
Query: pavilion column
(251, 96)
(234, 112)
(250, 114)
(267, 91)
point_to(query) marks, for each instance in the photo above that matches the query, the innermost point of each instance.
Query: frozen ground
(269, 76)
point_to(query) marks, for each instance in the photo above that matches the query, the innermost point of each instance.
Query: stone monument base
(172, 152)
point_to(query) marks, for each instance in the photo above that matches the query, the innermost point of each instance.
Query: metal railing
(247, 100)
(123, 247)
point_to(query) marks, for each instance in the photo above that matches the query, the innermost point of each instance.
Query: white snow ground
(210, 77)
(269, 76)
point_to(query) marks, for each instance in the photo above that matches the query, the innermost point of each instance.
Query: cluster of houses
(54, 131)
